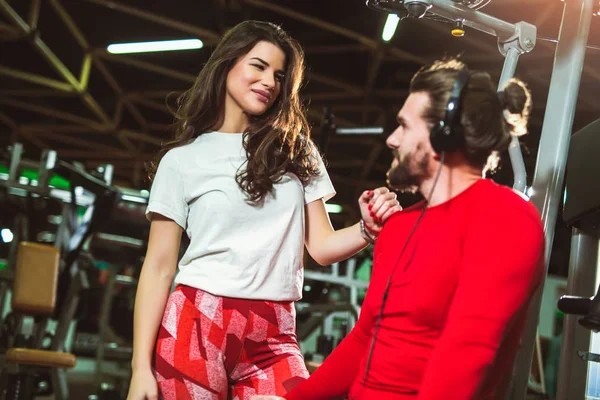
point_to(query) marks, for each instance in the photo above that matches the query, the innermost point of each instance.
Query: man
(453, 275)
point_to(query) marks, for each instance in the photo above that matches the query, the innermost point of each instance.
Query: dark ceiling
(60, 89)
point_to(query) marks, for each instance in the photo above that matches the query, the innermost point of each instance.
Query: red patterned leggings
(212, 347)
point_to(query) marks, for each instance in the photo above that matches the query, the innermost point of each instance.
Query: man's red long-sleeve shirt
(456, 306)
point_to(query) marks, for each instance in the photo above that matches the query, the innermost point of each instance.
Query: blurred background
(79, 121)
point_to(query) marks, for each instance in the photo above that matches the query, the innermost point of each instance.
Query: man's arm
(336, 375)
(501, 268)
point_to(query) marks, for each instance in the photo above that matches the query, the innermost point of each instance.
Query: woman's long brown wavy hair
(276, 142)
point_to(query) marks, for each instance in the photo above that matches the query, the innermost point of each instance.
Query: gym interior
(80, 120)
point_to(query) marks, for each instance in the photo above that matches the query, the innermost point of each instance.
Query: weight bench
(34, 294)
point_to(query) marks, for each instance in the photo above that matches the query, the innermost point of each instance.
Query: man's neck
(452, 181)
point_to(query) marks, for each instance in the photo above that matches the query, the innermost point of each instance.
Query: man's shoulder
(506, 204)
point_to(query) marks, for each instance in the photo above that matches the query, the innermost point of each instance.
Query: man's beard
(408, 174)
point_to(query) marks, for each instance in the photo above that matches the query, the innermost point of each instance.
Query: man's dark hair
(488, 119)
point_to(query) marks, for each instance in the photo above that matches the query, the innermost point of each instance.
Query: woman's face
(254, 82)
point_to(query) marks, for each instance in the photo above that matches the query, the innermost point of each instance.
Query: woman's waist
(239, 254)
(236, 282)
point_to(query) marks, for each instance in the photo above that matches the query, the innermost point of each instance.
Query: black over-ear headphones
(447, 135)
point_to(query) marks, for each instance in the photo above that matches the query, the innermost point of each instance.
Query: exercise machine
(88, 191)
(547, 186)
(37, 298)
(323, 322)
(580, 352)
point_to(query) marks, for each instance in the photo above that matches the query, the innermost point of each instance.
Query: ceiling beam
(34, 14)
(146, 66)
(51, 112)
(8, 121)
(343, 164)
(153, 94)
(154, 105)
(87, 63)
(356, 108)
(35, 93)
(120, 165)
(86, 123)
(17, 131)
(189, 78)
(54, 61)
(332, 96)
(221, 7)
(336, 83)
(106, 156)
(33, 139)
(374, 67)
(122, 100)
(328, 26)
(160, 127)
(5, 28)
(36, 79)
(372, 73)
(208, 36)
(142, 137)
(75, 141)
(336, 49)
(64, 128)
(77, 86)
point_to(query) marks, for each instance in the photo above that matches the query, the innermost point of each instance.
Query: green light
(56, 181)
(333, 208)
(147, 47)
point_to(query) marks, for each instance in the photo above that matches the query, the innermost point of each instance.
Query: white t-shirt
(236, 249)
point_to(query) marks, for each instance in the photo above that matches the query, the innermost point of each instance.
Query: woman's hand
(376, 206)
(143, 386)
(266, 398)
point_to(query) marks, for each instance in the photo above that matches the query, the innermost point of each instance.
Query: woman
(245, 182)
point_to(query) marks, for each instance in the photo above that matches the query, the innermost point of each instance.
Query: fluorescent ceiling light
(333, 208)
(135, 199)
(376, 130)
(146, 47)
(390, 27)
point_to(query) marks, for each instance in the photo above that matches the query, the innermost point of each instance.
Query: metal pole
(47, 163)
(583, 263)
(514, 39)
(510, 66)
(15, 162)
(474, 19)
(514, 149)
(552, 154)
